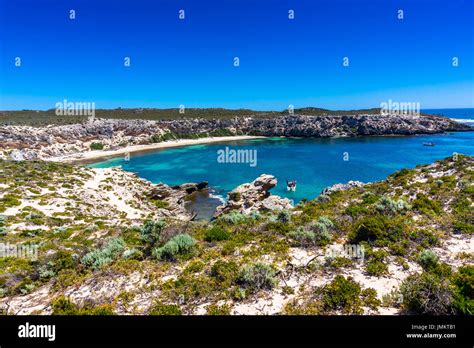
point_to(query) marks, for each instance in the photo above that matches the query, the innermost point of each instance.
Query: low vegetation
(240, 263)
(48, 117)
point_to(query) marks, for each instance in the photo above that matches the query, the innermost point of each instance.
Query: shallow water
(313, 163)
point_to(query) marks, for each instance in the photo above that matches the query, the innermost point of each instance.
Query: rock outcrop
(342, 187)
(319, 126)
(175, 196)
(65, 140)
(52, 141)
(254, 197)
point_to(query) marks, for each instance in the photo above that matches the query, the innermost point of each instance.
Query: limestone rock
(254, 197)
(73, 139)
(176, 196)
(342, 187)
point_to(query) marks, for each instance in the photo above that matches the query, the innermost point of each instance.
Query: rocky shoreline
(25, 142)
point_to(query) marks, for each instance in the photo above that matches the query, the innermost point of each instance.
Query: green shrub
(225, 272)
(392, 299)
(159, 308)
(97, 146)
(376, 265)
(355, 210)
(427, 293)
(287, 290)
(3, 229)
(179, 244)
(337, 262)
(132, 254)
(425, 238)
(284, 216)
(233, 218)
(98, 310)
(303, 237)
(369, 198)
(274, 226)
(322, 234)
(379, 230)
(342, 295)
(236, 196)
(158, 138)
(316, 233)
(376, 268)
(239, 293)
(63, 306)
(257, 276)
(168, 251)
(255, 215)
(464, 225)
(8, 201)
(428, 260)
(401, 173)
(214, 309)
(64, 260)
(150, 232)
(388, 205)
(195, 266)
(185, 242)
(399, 248)
(369, 298)
(325, 221)
(222, 132)
(425, 205)
(161, 204)
(100, 257)
(464, 290)
(216, 233)
(369, 228)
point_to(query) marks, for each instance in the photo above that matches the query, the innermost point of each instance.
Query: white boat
(291, 185)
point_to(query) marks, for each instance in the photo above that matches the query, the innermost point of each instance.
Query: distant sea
(313, 163)
(460, 115)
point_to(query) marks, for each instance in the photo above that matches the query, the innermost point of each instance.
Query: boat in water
(291, 185)
(428, 143)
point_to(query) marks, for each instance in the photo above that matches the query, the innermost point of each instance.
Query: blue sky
(282, 61)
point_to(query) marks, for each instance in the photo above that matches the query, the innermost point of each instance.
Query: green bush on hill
(100, 257)
(63, 306)
(159, 308)
(464, 290)
(150, 232)
(97, 146)
(225, 272)
(179, 244)
(257, 276)
(216, 234)
(427, 293)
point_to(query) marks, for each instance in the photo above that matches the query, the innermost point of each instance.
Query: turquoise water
(314, 163)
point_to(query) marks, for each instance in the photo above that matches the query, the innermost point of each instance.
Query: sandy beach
(94, 155)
